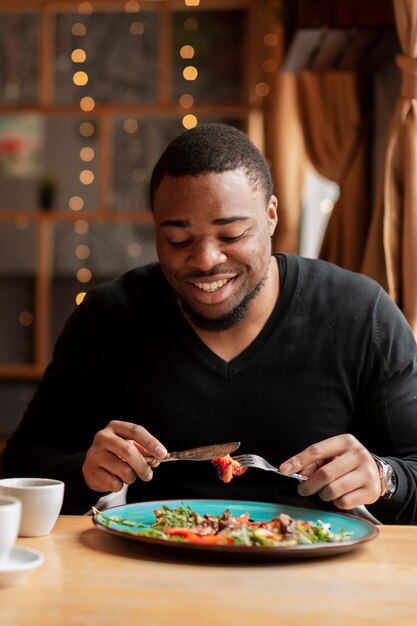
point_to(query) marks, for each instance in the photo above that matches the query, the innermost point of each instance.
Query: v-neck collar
(227, 369)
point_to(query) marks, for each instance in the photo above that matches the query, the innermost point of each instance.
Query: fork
(253, 460)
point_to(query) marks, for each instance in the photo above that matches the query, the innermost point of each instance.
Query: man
(306, 364)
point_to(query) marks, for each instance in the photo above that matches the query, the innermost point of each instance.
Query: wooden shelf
(249, 109)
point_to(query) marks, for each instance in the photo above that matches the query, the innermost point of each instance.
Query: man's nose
(206, 254)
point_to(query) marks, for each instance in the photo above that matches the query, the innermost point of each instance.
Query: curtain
(284, 148)
(391, 250)
(335, 133)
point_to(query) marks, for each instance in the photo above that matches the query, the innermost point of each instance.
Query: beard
(229, 320)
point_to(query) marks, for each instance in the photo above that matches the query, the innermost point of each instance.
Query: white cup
(10, 515)
(41, 500)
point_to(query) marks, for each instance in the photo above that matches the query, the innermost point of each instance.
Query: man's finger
(320, 452)
(140, 435)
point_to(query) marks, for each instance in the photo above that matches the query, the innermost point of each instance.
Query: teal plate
(361, 530)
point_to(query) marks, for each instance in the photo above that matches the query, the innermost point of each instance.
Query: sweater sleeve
(62, 417)
(388, 410)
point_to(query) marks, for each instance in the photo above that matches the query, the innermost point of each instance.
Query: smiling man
(311, 366)
(213, 236)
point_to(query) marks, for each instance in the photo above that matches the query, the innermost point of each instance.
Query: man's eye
(232, 239)
(179, 244)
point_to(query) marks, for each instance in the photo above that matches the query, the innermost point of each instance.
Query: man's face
(213, 238)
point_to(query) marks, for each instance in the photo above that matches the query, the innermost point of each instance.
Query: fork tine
(243, 459)
(246, 460)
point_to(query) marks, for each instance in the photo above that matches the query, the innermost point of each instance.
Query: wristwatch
(388, 477)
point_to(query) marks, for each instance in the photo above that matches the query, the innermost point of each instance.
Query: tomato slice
(243, 520)
(192, 537)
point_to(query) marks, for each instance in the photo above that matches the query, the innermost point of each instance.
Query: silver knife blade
(205, 453)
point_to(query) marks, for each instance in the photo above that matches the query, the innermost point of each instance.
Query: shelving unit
(136, 108)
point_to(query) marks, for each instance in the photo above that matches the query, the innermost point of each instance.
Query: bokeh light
(80, 297)
(78, 29)
(87, 103)
(190, 72)
(87, 154)
(76, 203)
(81, 227)
(25, 318)
(78, 55)
(84, 275)
(189, 121)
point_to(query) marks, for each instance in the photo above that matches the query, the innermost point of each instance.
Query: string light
(85, 8)
(187, 52)
(81, 227)
(25, 318)
(262, 89)
(186, 101)
(189, 121)
(269, 66)
(130, 126)
(76, 203)
(270, 40)
(191, 23)
(132, 6)
(80, 297)
(137, 28)
(82, 252)
(84, 275)
(78, 56)
(80, 78)
(86, 129)
(78, 29)
(87, 104)
(86, 177)
(190, 72)
(87, 154)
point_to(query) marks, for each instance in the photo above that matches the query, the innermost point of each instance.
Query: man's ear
(272, 214)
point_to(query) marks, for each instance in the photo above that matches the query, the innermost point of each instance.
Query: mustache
(213, 272)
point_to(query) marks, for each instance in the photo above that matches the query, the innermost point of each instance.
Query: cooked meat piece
(227, 467)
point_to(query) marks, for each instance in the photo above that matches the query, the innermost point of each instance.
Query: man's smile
(214, 286)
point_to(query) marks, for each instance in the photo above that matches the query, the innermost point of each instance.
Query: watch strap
(381, 474)
(387, 489)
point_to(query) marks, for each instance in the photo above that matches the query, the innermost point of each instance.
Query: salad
(183, 524)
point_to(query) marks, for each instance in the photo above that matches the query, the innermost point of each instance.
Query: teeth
(212, 286)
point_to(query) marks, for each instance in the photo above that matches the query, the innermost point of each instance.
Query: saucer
(20, 562)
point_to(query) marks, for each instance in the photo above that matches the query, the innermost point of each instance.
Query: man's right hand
(116, 456)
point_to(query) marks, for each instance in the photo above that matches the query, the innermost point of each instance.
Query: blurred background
(92, 92)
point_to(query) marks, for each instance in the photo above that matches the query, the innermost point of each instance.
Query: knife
(205, 453)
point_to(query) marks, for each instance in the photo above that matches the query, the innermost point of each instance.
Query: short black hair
(213, 147)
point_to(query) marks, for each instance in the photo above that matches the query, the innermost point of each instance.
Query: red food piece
(191, 536)
(227, 468)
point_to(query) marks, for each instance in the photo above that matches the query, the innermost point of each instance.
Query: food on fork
(227, 467)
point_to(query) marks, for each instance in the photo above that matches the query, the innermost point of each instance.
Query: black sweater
(336, 356)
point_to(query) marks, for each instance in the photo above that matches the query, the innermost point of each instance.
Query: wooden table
(91, 577)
